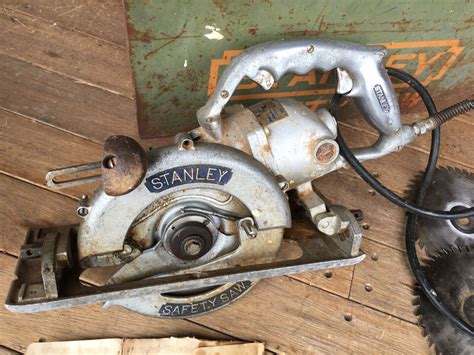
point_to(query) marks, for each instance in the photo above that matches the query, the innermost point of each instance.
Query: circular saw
(450, 274)
(185, 229)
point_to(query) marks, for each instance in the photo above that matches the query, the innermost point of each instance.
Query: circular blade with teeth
(451, 275)
(450, 189)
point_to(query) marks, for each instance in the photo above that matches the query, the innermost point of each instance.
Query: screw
(224, 94)
(82, 211)
(109, 162)
(368, 287)
(311, 49)
(328, 274)
(374, 257)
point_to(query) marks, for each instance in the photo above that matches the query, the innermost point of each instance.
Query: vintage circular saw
(186, 229)
(451, 275)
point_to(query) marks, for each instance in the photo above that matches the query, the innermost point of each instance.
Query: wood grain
(291, 317)
(56, 100)
(66, 104)
(70, 53)
(100, 19)
(91, 322)
(384, 281)
(24, 205)
(30, 149)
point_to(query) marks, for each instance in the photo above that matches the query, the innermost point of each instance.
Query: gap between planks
(67, 76)
(38, 121)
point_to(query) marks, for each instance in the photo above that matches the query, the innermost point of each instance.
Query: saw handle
(268, 62)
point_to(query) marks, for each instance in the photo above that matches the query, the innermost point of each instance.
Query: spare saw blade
(450, 189)
(451, 275)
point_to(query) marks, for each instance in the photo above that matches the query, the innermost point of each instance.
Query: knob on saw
(123, 168)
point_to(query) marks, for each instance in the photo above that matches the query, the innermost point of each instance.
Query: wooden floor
(65, 87)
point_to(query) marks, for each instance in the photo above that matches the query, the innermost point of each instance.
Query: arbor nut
(326, 151)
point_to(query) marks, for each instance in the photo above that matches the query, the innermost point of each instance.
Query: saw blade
(450, 189)
(451, 275)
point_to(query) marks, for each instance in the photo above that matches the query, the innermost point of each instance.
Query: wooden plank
(7, 351)
(79, 57)
(163, 346)
(384, 281)
(25, 205)
(91, 322)
(30, 149)
(59, 101)
(337, 281)
(101, 19)
(295, 318)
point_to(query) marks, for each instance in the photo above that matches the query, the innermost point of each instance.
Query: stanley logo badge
(189, 174)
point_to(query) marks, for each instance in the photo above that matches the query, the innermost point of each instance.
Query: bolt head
(192, 247)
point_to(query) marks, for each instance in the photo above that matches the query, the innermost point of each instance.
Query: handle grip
(371, 89)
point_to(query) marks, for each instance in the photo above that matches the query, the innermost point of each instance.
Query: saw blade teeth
(411, 188)
(448, 272)
(456, 171)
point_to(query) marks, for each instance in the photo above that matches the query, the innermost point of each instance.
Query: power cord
(415, 209)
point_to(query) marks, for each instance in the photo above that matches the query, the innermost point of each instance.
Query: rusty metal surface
(179, 49)
(123, 166)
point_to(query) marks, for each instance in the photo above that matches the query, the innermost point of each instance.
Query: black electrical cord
(410, 236)
(393, 197)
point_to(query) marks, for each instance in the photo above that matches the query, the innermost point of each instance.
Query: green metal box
(178, 49)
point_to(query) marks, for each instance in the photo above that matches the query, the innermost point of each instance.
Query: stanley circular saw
(188, 228)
